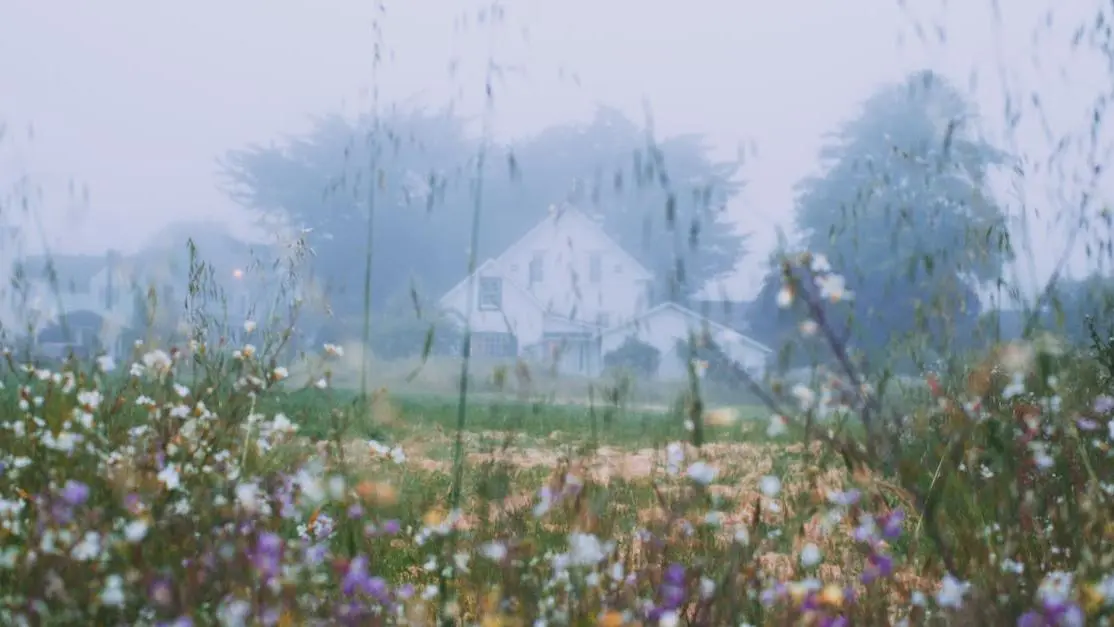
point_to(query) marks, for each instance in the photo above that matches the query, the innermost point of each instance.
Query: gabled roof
(688, 313)
(491, 268)
(569, 212)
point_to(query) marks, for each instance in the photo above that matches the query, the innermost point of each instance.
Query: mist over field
(652, 314)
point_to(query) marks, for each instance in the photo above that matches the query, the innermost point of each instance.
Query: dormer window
(537, 268)
(491, 293)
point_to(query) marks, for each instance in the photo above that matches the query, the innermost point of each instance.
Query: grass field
(173, 492)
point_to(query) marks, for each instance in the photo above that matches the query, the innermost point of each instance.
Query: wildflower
(809, 328)
(494, 551)
(157, 361)
(113, 593)
(135, 531)
(702, 473)
(770, 485)
(75, 493)
(334, 351)
(1103, 405)
(834, 288)
(106, 363)
(806, 398)
(280, 373)
(169, 477)
(674, 457)
(249, 326)
(776, 427)
(844, 499)
(89, 548)
(950, 594)
(810, 555)
(585, 549)
(785, 297)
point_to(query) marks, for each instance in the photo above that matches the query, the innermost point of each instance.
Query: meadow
(207, 484)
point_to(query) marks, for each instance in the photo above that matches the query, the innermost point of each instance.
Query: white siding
(566, 246)
(665, 326)
(519, 314)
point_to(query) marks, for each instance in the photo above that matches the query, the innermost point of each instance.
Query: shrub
(634, 356)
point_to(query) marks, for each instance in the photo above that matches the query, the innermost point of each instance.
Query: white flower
(169, 477)
(397, 455)
(113, 593)
(810, 555)
(135, 531)
(249, 326)
(674, 457)
(820, 264)
(334, 350)
(776, 426)
(950, 594)
(1016, 386)
(585, 549)
(494, 551)
(181, 390)
(669, 619)
(806, 398)
(157, 360)
(1056, 587)
(106, 363)
(89, 547)
(809, 328)
(770, 485)
(834, 288)
(784, 297)
(702, 473)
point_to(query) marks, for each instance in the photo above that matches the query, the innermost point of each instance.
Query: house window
(491, 293)
(595, 267)
(537, 267)
(494, 345)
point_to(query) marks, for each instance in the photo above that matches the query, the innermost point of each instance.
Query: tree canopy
(661, 200)
(902, 210)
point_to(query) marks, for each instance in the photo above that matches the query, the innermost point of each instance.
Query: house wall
(565, 247)
(665, 327)
(519, 314)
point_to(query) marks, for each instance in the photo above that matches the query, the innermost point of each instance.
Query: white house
(568, 293)
(665, 324)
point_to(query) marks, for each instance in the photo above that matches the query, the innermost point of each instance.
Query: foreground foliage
(177, 490)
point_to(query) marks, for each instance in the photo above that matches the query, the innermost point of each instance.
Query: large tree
(661, 200)
(902, 210)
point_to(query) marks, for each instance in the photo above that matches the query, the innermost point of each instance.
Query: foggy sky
(134, 100)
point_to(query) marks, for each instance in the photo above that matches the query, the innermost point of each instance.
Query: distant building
(566, 291)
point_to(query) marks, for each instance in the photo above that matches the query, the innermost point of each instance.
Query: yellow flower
(611, 618)
(832, 596)
(1093, 598)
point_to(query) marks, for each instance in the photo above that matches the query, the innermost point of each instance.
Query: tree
(419, 169)
(902, 210)
(663, 201)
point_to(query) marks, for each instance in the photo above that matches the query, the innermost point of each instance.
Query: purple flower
(877, 565)
(891, 523)
(268, 554)
(1052, 613)
(75, 493)
(675, 574)
(355, 512)
(1086, 424)
(1103, 404)
(391, 527)
(161, 592)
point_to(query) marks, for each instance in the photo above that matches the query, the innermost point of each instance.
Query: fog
(117, 112)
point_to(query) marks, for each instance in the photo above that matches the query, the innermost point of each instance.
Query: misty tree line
(900, 207)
